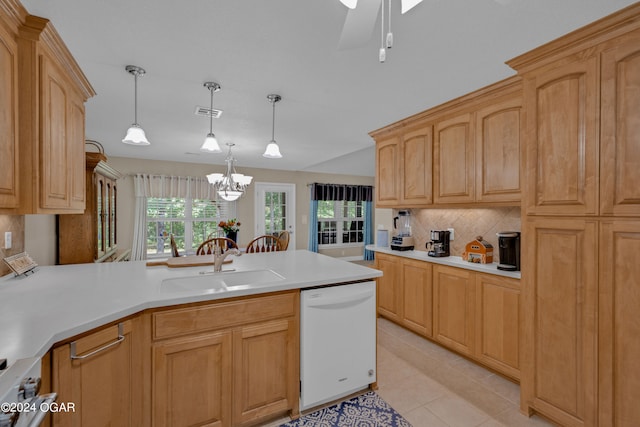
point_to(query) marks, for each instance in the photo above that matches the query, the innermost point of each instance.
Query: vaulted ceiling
(331, 97)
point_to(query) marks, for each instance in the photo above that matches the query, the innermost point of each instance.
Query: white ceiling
(331, 98)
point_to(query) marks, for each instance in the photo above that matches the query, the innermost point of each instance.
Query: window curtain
(146, 185)
(352, 193)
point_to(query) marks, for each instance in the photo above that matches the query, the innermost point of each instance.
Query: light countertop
(58, 302)
(452, 261)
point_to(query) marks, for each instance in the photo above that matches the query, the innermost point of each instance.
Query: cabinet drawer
(189, 320)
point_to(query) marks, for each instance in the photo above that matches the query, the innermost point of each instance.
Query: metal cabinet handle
(98, 350)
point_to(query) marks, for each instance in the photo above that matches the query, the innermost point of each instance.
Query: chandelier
(232, 185)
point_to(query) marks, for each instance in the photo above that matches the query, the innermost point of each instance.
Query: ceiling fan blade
(407, 5)
(358, 26)
(351, 4)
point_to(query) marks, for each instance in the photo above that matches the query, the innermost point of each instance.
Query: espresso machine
(402, 241)
(509, 250)
(439, 244)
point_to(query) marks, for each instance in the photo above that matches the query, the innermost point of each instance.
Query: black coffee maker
(439, 244)
(509, 249)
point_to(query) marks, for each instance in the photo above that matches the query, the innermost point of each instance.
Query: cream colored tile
(513, 418)
(471, 369)
(411, 393)
(457, 412)
(492, 423)
(505, 388)
(422, 417)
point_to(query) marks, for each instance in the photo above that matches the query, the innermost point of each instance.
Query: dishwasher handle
(331, 302)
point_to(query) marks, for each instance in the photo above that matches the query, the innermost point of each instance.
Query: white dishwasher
(337, 341)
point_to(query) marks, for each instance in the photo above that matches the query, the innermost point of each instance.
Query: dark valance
(352, 193)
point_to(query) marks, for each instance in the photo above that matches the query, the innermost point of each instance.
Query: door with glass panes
(276, 209)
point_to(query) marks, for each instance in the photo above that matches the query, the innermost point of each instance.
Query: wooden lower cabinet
(101, 379)
(265, 370)
(559, 353)
(453, 308)
(228, 363)
(192, 381)
(497, 323)
(472, 313)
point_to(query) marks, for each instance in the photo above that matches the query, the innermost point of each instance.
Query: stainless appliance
(439, 244)
(20, 403)
(509, 250)
(337, 341)
(402, 241)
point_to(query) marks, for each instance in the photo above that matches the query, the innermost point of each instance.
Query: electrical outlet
(7, 240)
(452, 233)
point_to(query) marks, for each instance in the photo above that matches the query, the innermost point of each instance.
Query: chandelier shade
(231, 185)
(135, 134)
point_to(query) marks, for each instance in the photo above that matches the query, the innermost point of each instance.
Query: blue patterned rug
(367, 410)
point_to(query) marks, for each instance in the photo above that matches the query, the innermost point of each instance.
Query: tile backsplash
(14, 224)
(467, 223)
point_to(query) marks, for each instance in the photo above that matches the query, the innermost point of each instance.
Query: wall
(467, 223)
(14, 224)
(245, 209)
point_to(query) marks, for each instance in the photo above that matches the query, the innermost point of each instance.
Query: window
(341, 223)
(190, 222)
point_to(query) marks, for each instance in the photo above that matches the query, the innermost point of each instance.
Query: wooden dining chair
(266, 243)
(174, 247)
(284, 237)
(208, 246)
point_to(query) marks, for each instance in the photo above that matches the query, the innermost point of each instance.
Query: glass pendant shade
(135, 136)
(229, 195)
(272, 151)
(210, 144)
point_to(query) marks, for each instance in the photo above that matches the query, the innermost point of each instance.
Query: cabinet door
(560, 309)
(620, 140)
(101, 384)
(453, 310)
(497, 323)
(619, 323)
(75, 131)
(561, 131)
(416, 170)
(454, 161)
(8, 120)
(265, 371)
(387, 172)
(192, 381)
(389, 287)
(417, 297)
(498, 152)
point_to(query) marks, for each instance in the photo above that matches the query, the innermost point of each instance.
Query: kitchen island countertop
(59, 302)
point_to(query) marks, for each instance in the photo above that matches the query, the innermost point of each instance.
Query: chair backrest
(284, 240)
(266, 243)
(174, 247)
(208, 246)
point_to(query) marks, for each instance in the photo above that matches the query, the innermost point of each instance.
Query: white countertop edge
(452, 261)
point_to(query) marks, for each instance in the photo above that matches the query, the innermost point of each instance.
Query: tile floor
(433, 387)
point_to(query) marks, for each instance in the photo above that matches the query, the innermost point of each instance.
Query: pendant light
(210, 144)
(135, 134)
(232, 185)
(273, 151)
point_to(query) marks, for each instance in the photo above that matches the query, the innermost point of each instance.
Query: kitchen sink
(222, 281)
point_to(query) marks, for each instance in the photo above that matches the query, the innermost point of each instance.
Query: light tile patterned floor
(433, 387)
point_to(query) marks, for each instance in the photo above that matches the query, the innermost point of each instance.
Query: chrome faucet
(219, 256)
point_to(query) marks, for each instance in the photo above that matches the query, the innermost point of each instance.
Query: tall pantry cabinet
(581, 227)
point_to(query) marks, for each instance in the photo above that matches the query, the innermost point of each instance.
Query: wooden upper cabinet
(562, 150)
(498, 150)
(51, 119)
(620, 128)
(454, 161)
(8, 118)
(416, 170)
(388, 172)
